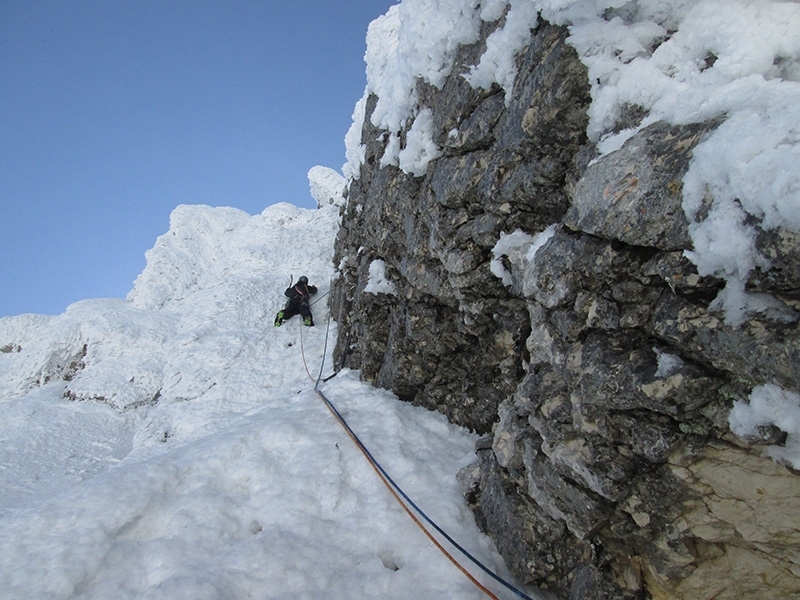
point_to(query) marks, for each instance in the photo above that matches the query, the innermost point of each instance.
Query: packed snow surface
(171, 445)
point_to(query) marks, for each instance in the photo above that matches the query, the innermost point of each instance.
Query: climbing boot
(279, 319)
(308, 322)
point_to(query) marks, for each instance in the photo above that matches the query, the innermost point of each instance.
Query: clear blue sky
(114, 112)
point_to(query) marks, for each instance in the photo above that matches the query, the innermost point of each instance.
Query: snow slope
(196, 461)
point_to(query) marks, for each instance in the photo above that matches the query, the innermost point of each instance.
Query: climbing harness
(402, 498)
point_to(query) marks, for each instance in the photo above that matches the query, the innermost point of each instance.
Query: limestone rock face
(452, 336)
(634, 194)
(598, 369)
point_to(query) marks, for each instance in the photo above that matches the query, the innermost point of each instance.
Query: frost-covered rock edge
(607, 471)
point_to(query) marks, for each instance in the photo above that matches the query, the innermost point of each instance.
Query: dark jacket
(300, 294)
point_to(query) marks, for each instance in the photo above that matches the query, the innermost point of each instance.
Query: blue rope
(317, 299)
(399, 490)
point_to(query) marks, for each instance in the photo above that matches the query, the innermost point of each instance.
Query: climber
(299, 296)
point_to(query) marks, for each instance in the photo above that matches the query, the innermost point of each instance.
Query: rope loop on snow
(402, 498)
(303, 352)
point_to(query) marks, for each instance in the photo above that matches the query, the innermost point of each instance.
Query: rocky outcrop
(451, 337)
(596, 366)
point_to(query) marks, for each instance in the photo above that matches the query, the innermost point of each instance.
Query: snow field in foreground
(276, 504)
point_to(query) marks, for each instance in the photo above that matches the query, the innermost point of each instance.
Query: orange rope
(388, 485)
(414, 518)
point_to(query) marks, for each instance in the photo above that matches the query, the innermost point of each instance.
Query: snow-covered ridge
(326, 186)
(211, 285)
